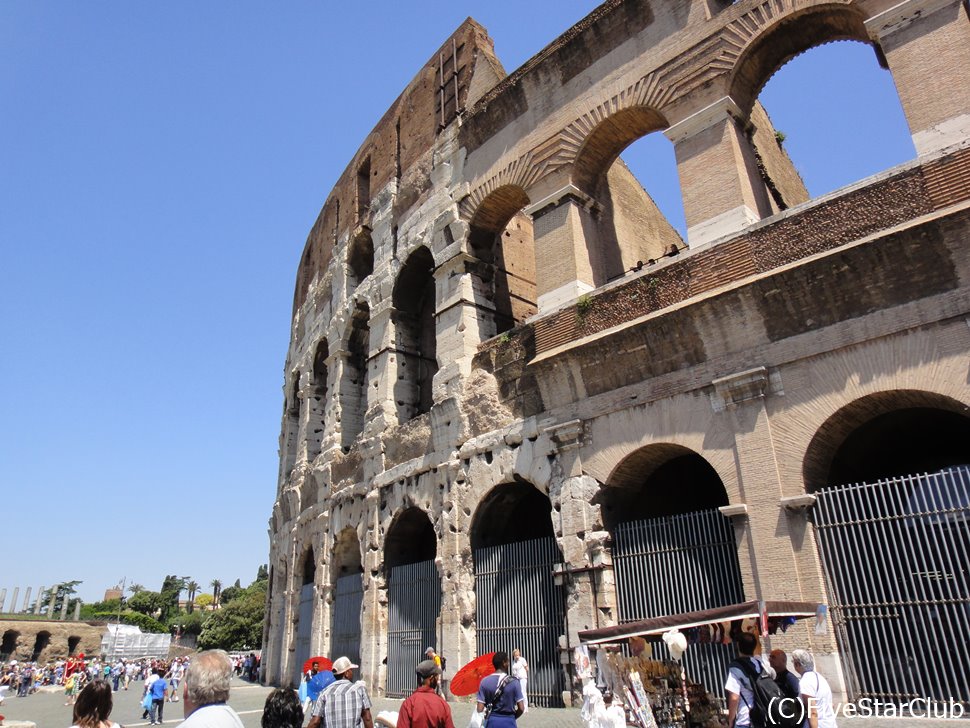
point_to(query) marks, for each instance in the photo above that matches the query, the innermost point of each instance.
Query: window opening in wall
(414, 301)
(40, 644)
(360, 258)
(72, 643)
(363, 188)
(501, 239)
(354, 388)
(292, 425)
(836, 113)
(9, 644)
(318, 401)
(628, 229)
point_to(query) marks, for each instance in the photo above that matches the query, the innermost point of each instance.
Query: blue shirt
(158, 689)
(511, 695)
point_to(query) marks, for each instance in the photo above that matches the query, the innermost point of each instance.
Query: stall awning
(659, 625)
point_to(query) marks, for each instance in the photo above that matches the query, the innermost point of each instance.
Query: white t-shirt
(737, 682)
(817, 687)
(519, 668)
(212, 716)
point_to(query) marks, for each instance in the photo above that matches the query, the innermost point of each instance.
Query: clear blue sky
(161, 166)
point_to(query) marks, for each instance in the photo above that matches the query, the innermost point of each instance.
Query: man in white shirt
(815, 692)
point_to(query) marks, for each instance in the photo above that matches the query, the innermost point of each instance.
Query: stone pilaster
(26, 601)
(13, 600)
(722, 189)
(927, 46)
(564, 233)
(37, 604)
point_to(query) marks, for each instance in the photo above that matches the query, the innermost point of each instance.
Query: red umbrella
(467, 679)
(324, 663)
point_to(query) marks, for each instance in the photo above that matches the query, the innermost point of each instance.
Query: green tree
(67, 590)
(262, 573)
(172, 587)
(192, 587)
(204, 601)
(184, 624)
(145, 602)
(216, 590)
(230, 593)
(135, 588)
(238, 625)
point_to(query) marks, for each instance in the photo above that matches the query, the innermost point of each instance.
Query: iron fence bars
(304, 631)
(519, 605)
(347, 605)
(414, 603)
(896, 555)
(676, 564)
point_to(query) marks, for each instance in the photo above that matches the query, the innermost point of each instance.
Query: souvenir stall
(633, 686)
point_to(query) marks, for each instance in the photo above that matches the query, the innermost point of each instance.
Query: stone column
(77, 610)
(927, 46)
(3, 599)
(722, 189)
(26, 601)
(64, 608)
(565, 235)
(53, 601)
(40, 596)
(13, 601)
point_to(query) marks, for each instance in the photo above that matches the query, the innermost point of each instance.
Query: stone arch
(353, 388)
(414, 302)
(72, 643)
(346, 557)
(8, 646)
(501, 239)
(509, 513)
(360, 257)
(309, 567)
(317, 402)
(41, 641)
(627, 228)
(790, 36)
(645, 485)
(888, 433)
(411, 538)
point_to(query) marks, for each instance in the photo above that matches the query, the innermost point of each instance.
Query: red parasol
(324, 663)
(467, 679)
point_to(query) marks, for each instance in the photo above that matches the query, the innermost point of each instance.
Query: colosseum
(520, 406)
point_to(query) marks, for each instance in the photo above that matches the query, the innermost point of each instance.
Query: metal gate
(896, 554)
(304, 630)
(519, 605)
(414, 602)
(677, 564)
(348, 600)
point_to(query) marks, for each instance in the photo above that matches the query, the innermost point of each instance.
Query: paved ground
(48, 711)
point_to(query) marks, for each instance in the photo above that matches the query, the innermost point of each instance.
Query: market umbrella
(324, 663)
(467, 679)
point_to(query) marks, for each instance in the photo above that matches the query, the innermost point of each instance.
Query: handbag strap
(500, 688)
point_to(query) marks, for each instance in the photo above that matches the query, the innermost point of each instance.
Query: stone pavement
(47, 710)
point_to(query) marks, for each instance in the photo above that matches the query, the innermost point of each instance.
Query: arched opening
(72, 643)
(291, 425)
(360, 257)
(891, 475)
(835, 116)
(316, 424)
(414, 302)
(518, 603)
(501, 238)
(348, 595)
(40, 644)
(9, 644)
(628, 228)
(413, 596)
(354, 391)
(661, 506)
(304, 623)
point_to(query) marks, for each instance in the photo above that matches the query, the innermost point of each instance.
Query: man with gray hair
(815, 692)
(206, 692)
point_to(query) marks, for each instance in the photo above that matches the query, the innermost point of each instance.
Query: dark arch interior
(414, 299)
(320, 357)
(410, 539)
(43, 639)
(511, 513)
(346, 553)
(309, 568)
(361, 257)
(682, 483)
(72, 642)
(902, 442)
(9, 643)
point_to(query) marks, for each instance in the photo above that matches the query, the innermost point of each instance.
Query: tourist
(425, 708)
(520, 671)
(282, 710)
(738, 686)
(500, 695)
(815, 692)
(343, 703)
(205, 692)
(93, 706)
(158, 688)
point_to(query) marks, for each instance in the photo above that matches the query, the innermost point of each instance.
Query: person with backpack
(500, 697)
(754, 698)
